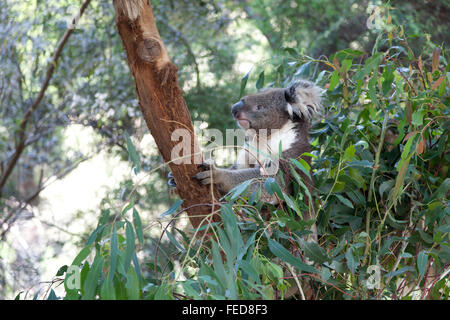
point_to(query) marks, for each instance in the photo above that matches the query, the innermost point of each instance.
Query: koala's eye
(257, 107)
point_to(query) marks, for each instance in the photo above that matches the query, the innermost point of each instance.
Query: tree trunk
(162, 103)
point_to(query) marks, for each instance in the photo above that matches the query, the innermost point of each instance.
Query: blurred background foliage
(91, 102)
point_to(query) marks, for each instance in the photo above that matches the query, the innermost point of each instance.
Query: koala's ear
(303, 100)
(289, 94)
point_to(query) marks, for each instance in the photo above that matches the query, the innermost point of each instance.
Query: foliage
(324, 27)
(381, 200)
(381, 166)
(91, 86)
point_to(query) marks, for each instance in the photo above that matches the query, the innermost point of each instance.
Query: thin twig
(24, 123)
(291, 269)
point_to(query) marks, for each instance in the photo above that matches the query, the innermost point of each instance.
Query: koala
(274, 120)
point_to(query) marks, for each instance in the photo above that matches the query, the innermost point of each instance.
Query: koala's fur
(286, 114)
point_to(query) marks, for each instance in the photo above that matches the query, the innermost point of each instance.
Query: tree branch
(23, 125)
(162, 104)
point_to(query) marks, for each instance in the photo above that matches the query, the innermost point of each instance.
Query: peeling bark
(161, 101)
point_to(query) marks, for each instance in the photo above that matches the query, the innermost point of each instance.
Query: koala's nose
(236, 108)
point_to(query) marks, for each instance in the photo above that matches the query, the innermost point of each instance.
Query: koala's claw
(171, 181)
(203, 177)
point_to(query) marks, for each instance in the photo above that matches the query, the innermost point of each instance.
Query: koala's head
(272, 108)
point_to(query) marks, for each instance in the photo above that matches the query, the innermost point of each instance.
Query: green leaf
(256, 195)
(325, 274)
(138, 226)
(92, 279)
(442, 190)
(260, 81)
(164, 292)
(128, 207)
(173, 208)
(385, 186)
(396, 193)
(302, 165)
(275, 270)
(369, 66)
(346, 64)
(388, 75)
(352, 264)
(107, 292)
(133, 155)
(36, 295)
(84, 253)
(338, 187)
(218, 265)
(293, 53)
(303, 71)
(314, 252)
(278, 250)
(356, 177)
(291, 203)
(174, 241)
(362, 163)
(136, 266)
(104, 217)
(244, 83)
(52, 295)
(94, 235)
(83, 275)
(345, 201)
(114, 251)
(268, 185)
(132, 286)
(239, 189)
(349, 153)
(248, 268)
(189, 290)
(444, 228)
(362, 143)
(407, 148)
(334, 80)
(300, 182)
(441, 88)
(417, 117)
(307, 154)
(348, 53)
(61, 270)
(372, 85)
(231, 227)
(422, 261)
(275, 187)
(130, 246)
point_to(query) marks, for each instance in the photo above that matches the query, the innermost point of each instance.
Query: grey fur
(305, 99)
(271, 109)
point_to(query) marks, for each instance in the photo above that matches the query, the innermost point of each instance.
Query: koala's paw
(207, 176)
(171, 180)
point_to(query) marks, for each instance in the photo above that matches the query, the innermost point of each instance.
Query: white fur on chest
(261, 149)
